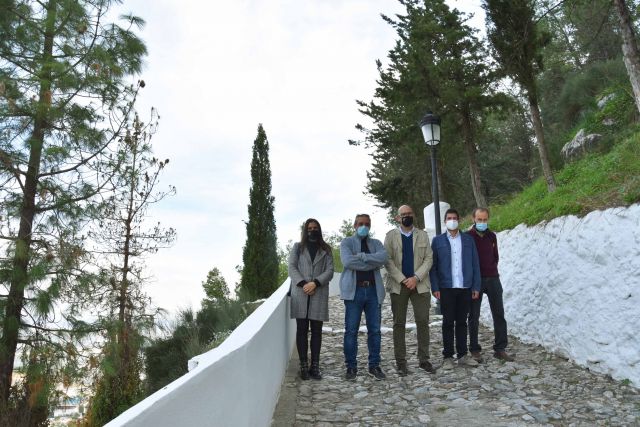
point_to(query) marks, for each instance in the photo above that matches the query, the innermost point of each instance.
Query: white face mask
(451, 224)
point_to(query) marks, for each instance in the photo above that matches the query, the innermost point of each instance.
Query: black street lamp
(430, 126)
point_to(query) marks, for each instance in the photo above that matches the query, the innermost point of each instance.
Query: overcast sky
(215, 70)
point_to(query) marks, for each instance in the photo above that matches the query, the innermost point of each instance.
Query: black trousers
(493, 288)
(454, 303)
(302, 339)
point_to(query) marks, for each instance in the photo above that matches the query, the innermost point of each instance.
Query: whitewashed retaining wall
(235, 384)
(573, 286)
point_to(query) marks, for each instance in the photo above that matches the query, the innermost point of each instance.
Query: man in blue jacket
(455, 280)
(362, 290)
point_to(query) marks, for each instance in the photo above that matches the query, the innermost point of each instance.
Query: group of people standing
(456, 267)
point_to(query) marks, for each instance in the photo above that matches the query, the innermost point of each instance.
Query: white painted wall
(573, 286)
(235, 384)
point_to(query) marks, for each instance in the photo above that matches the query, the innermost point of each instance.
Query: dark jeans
(302, 340)
(493, 288)
(455, 303)
(365, 300)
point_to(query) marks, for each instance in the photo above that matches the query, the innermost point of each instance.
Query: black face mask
(407, 221)
(313, 235)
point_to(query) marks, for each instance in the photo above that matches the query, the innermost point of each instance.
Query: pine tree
(518, 43)
(124, 238)
(260, 254)
(63, 101)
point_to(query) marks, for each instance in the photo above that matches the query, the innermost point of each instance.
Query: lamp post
(430, 126)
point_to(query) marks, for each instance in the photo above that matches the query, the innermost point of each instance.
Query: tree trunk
(20, 274)
(629, 49)
(474, 169)
(542, 146)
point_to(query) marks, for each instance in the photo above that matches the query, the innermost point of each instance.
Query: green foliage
(65, 96)
(595, 182)
(123, 240)
(165, 361)
(34, 394)
(570, 103)
(437, 64)
(283, 262)
(194, 334)
(215, 287)
(119, 385)
(337, 261)
(259, 277)
(505, 154)
(516, 40)
(334, 239)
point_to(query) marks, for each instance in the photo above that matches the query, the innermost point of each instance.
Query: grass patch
(598, 181)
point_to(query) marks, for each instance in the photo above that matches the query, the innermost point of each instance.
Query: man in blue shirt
(362, 290)
(455, 280)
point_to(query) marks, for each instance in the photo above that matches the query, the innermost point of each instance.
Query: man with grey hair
(362, 291)
(410, 259)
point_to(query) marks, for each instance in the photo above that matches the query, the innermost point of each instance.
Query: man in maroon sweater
(487, 245)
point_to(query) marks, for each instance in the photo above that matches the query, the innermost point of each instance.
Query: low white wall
(573, 286)
(235, 384)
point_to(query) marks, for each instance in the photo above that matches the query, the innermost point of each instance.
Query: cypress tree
(518, 43)
(259, 276)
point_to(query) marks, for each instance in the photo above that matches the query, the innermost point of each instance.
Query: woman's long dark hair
(304, 239)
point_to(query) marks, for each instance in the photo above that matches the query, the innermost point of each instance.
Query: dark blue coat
(440, 273)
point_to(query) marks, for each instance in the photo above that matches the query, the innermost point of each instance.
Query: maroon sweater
(487, 246)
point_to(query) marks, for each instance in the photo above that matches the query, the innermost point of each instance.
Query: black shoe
(427, 366)
(402, 369)
(351, 374)
(304, 370)
(377, 373)
(314, 371)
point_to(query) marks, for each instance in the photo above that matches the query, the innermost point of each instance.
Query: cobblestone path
(539, 388)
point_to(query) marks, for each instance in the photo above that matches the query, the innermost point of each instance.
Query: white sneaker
(467, 361)
(447, 363)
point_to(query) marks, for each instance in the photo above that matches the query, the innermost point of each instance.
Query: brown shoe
(427, 366)
(477, 356)
(503, 355)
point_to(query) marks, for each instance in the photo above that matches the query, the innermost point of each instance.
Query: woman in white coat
(310, 270)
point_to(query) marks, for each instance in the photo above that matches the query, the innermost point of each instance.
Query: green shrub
(194, 334)
(597, 181)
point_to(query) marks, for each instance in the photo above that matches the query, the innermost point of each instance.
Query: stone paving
(539, 388)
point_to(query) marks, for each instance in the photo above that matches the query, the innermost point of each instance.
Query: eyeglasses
(360, 224)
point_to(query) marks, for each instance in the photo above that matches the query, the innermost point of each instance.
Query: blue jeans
(366, 299)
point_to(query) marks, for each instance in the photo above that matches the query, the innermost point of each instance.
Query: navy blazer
(440, 273)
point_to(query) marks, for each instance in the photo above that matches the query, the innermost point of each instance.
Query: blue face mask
(363, 231)
(481, 226)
